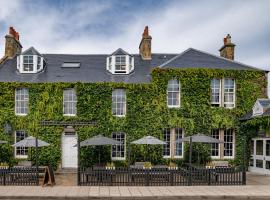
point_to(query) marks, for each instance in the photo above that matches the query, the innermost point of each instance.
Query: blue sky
(85, 27)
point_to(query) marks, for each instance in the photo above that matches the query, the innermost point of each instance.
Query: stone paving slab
(125, 192)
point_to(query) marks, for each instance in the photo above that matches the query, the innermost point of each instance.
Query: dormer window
(30, 61)
(120, 62)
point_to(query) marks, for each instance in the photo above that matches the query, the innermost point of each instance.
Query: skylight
(71, 65)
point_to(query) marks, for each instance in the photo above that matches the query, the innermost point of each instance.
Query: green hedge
(147, 112)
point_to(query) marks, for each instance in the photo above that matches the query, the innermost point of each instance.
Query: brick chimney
(227, 50)
(13, 45)
(145, 45)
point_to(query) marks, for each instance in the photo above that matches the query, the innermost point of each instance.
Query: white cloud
(174, 27)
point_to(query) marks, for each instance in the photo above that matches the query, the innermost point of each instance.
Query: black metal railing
(183, 176)
(19, 176)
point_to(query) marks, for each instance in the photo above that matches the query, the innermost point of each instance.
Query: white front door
(260, 158)
(69, 152)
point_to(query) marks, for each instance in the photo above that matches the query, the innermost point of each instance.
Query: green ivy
(147, 112)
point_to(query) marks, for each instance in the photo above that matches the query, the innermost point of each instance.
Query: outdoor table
(101, 174)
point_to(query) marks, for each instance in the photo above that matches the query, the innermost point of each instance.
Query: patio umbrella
(99, 140)
(199, 138)
(149, 140)
(30, 142)
(2, 142)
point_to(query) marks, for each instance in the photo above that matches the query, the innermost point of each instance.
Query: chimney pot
(145, 45)
(13, 45)
(145, 32)
(227, 50)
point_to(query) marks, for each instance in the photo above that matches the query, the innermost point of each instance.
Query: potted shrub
(147, 165)
(110, 165)
(172, 166)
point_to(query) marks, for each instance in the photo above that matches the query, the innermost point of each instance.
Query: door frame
(263, 157)
(67, 134)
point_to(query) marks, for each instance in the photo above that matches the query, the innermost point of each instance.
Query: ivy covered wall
(147, 112)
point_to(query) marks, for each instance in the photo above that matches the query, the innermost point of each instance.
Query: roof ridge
(213, 55)
(172, 59)
(233, 61)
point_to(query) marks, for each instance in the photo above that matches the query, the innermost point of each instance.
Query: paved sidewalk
(177, 192)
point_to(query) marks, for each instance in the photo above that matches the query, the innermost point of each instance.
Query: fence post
(209, 176)
(244, 177)
(4, 178)
(190, 160)
(79, 167)
(37, 173)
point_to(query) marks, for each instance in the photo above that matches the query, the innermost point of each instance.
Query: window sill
(21, 156)
(178, 157)
(118, 158)
(173, 106)
(228, 157)
(166, 157)
(69, 115)
(22, 115)
(215, 157)
(119, 115)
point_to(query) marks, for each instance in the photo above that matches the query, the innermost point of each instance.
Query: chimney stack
(227, 50)
(145, 45)
(13, 45)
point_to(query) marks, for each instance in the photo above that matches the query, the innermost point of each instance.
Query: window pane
(215, 91)
(118, 151)
(173, 93)
(259, 147)
(20, 151)
(167, 139)
(267, 147)
(228, 142)
(229, 93)
(215, 146)
(178, 146)
(119, 102)
(21, 100)
(69, 102)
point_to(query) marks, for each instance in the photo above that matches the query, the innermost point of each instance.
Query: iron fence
(183, 176)
(19, 176)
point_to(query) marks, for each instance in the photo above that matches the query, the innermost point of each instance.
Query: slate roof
(120, 52)
(93, 67)
(264, 102)
(193, 58)
(31, 51)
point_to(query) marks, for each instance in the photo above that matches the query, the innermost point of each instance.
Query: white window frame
(28, 63)
(118, 157)
(228, 92)
(175, 144)
(116, 94)
(23, 148)
(219, 147)
(37, 67)
(214, 88)
(172, 132)
(67, 102)
(222, 94)
(233, 144)
(128, 63)
(174, 91)
(121, 63)
(168, 132)
(23, 92)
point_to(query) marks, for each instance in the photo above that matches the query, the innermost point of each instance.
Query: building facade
(126, 96)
